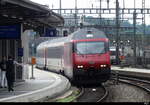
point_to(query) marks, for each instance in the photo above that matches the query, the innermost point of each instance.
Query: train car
(113, 55)
(82, 56)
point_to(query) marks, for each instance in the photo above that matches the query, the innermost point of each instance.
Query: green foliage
(69, 98)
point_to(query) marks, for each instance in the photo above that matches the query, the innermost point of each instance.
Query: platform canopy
(28, 13)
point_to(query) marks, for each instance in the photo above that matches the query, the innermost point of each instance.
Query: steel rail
(123, 78)
(98, 100)
(142, 87)
(81, 93)
(104, 96)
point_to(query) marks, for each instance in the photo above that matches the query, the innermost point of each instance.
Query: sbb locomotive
(83, 56)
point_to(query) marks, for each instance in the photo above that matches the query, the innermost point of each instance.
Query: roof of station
(16, 11)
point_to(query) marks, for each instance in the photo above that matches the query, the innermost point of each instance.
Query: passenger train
(83, 56)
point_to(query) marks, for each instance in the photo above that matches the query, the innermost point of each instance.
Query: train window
(90, 47)
(40, 53)
(113, 52)
(55, 52)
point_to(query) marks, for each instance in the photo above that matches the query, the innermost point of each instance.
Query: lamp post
(134, 25)
(76, 17)
(117, 32)
(60, 7)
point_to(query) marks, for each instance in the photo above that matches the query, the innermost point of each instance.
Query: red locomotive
(82, 56)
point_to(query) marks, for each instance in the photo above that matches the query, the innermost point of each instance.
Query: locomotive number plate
(91, 62)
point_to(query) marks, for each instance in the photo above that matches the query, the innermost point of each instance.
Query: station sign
(33, 60)
(20, 52)
(10, 31)
(50, 32)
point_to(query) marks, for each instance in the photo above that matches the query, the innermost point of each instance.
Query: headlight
(102, 65)
(80, 67)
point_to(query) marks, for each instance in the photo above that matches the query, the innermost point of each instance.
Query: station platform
(45, 84)
(138, 72)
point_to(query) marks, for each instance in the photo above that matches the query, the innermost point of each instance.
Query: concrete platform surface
(138, 72)
(45, 84)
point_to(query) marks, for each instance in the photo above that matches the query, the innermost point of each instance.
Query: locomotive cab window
(90, 47)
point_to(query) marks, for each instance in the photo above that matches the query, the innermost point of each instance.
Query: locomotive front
(91, 58)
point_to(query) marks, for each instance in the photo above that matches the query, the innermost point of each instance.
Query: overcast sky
(88, 3)
(95, 3)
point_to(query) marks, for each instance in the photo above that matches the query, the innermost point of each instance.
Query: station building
(21, 20)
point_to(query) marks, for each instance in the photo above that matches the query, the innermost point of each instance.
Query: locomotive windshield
(90, 48)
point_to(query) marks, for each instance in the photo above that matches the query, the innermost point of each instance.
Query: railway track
(143, 84)
(97, 94)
